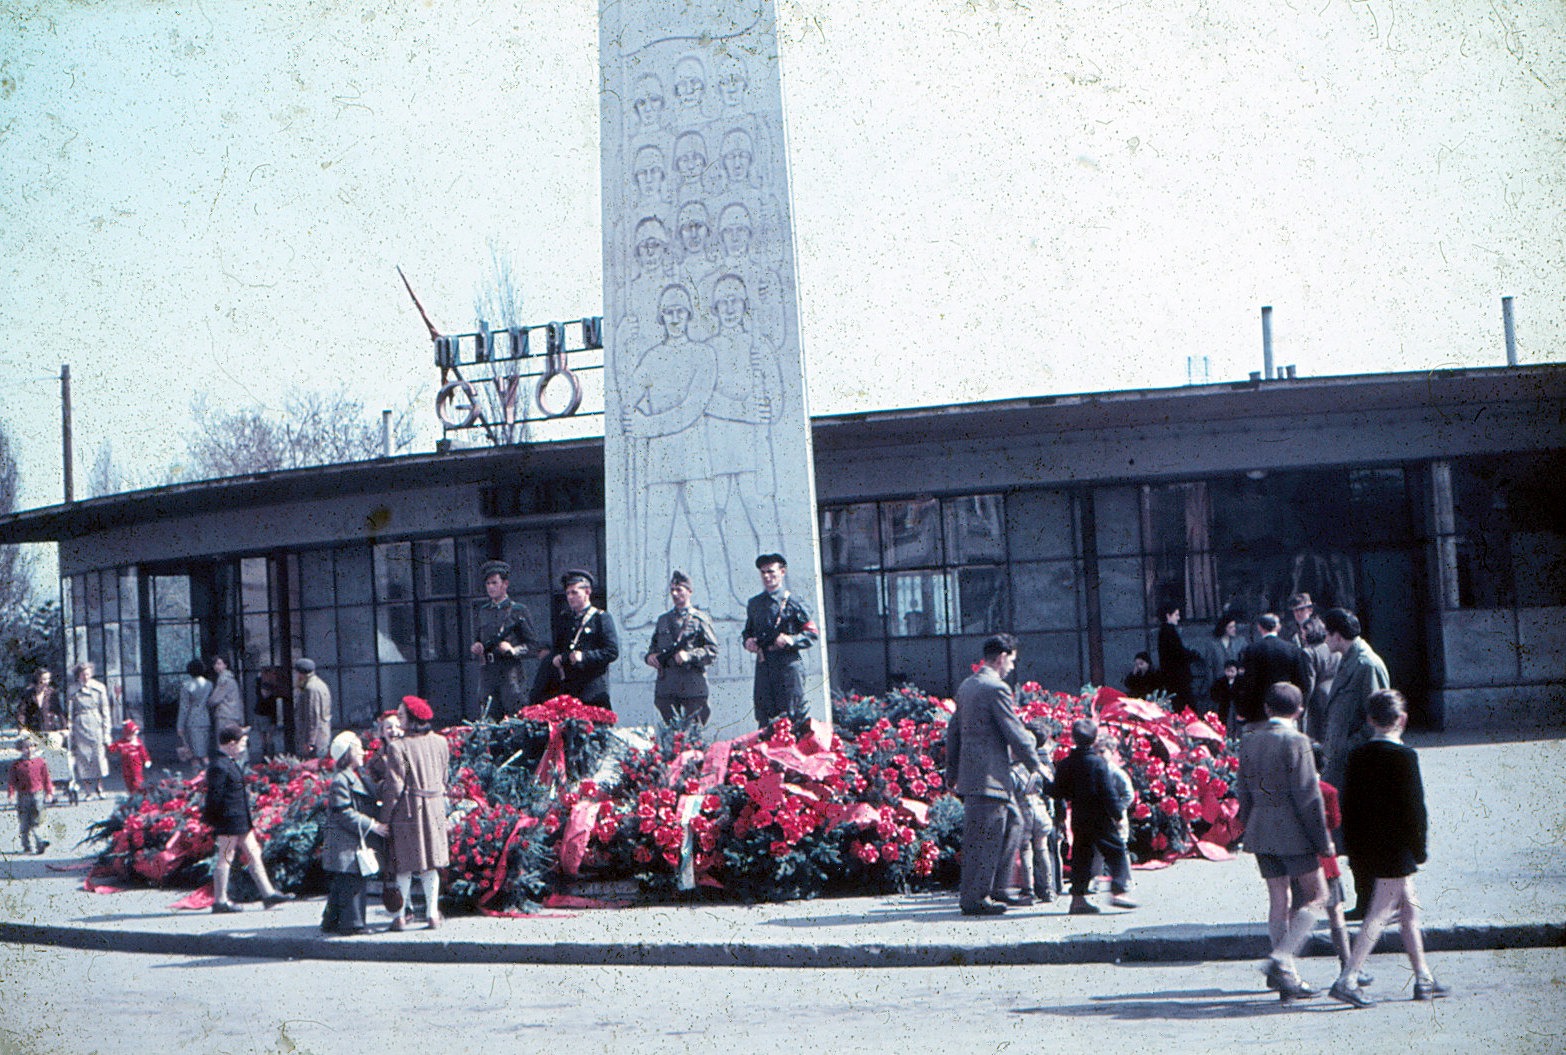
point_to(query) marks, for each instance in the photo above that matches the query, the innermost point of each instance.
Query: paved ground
(1496, 880)
(70, 1002)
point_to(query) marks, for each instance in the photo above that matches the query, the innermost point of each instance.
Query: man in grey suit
(1360, 673)
(982, 738)
(1285, 824)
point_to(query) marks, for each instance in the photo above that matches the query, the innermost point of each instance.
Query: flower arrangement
(556, 793)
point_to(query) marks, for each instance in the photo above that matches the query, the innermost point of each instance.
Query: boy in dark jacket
(227, 811)
(1083, 780)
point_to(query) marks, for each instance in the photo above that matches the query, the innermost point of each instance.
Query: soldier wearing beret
(777, 630)
(502, 637)
(585, 642)
(684, 645)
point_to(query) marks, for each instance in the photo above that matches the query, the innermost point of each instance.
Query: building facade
(1428, 503)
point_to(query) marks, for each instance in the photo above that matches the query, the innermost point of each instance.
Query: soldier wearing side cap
(684, 644)
(585, 642)
(502, 637)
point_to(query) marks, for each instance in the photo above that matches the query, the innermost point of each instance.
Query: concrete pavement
(1496, 880)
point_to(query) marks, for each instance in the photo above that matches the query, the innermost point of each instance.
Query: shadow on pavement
(1183, 1005)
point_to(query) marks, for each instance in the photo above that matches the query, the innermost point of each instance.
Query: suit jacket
(1360, 674)
(1281, 807)
(350, 812)
(224, 704)
(227, 809)
(1264, 663)
(1384, 821)
(983, 737)
(599, 643)
(701, 643)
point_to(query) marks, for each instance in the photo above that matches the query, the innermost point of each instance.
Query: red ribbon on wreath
(555, 712)
(499, 879)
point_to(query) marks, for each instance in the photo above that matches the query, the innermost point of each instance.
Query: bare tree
(312, 428)
(105, 478)
(16, 572)
(497, 305)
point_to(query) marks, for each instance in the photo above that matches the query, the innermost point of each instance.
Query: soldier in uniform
(585, 642)
(777, 629)
(502, 637)
(684, 645)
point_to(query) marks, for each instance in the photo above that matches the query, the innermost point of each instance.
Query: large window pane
(443, 688)
(1046, 596)
(1052, 660)
(95, 649)
(171, 596)
(1039, 525)
(850, 538)
(358, 702)
(394, 641)
(1117, 512)
(111, 597)
(111, 650)
(177, 646)
(975, 530)
(854, 610)
(394, 571)
(441, 638)
(528, 554)
(397, 680)
(353, 575)
(435, 568)
(911, 533)
(94, 597)
(859, 666)
(130, 598)
(258, 640)
(318, 628)
(979, 603)
(1120, 593)
(253, 596)
(916, 603)
(316, 579)
(356, 635)
(919, 662)
(130, 648)
(68, 605)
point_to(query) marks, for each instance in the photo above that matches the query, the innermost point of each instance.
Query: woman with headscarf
(350, 827)
(413, 806)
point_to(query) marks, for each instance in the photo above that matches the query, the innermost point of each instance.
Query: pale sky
(991, 198)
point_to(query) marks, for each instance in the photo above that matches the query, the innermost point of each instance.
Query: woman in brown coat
(413, 797)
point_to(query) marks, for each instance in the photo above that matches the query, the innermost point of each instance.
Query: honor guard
(585, 642)
(777, 630)
(684, 645)
(502, 637)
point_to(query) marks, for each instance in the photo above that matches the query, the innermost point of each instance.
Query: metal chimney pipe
(1267, 370)
(386, 431)
(1509, 324)
(67, 454)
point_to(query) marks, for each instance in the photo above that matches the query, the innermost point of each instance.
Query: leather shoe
(1015, 900)
(1349, 995)
(988, 907)
(1124, 901)
(225, 906)
(274, 899)
(1430, 989)
(1081, 906)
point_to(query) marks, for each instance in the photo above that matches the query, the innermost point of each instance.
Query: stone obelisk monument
(707, 458)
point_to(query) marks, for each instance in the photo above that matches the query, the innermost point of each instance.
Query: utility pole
(65, 428)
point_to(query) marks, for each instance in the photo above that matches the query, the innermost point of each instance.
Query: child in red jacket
(134, 759)
(31, 786)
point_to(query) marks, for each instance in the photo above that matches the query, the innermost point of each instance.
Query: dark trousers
(983, 844)
(779, 688)
(1111, 847)
(344, 903)
(685, 706)
(29, 815)
(1364, 885)
(501, 682)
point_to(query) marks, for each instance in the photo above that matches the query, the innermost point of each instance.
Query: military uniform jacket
(506, 621)
(599, 643)
(766, 618)
(701, 641)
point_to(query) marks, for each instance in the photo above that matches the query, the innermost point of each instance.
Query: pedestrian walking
(227, 813)
(31, 786)
(1083, 781)
(413, 808)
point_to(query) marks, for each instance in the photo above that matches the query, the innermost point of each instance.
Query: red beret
(418, 709)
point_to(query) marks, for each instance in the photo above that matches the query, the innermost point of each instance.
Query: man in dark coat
(982, 739)
(502, 637)
(1265, 662)
(227, 812)
(1082, 779)
(777, 629)
(585, 643)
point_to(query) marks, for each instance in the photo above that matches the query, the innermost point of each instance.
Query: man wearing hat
(777, 630)
(312, 711)
(502, 638)
(684, 645)
(585, 643)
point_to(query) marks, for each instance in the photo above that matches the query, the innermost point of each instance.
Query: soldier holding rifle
(684, 645)
(777, 630)
(502, 637)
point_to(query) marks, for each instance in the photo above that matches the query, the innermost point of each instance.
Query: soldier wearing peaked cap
(585, 642)
(502, 637)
